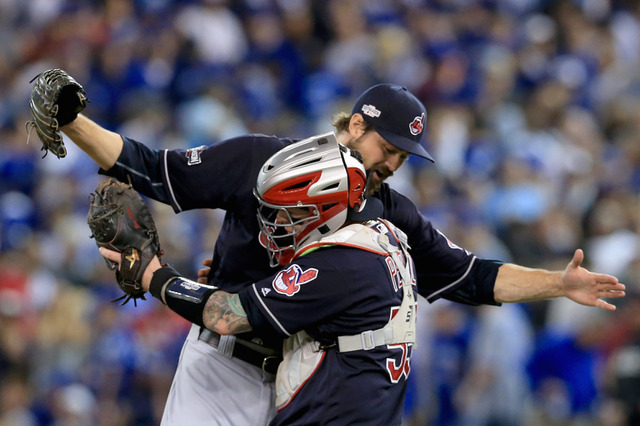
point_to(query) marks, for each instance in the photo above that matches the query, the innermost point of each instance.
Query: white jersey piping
(431, 297)
(255, 290)
(166, 173)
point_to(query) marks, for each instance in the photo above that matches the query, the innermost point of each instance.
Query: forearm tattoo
(223, 313)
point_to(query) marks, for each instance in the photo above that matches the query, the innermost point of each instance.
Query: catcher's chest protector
(302, 354)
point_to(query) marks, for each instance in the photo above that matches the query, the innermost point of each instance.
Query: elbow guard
(185, 297)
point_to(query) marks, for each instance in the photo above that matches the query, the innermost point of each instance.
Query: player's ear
(357, 125)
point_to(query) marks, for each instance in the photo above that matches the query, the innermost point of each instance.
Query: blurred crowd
(533, 118)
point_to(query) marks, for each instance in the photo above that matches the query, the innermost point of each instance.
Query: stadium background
(533, 118)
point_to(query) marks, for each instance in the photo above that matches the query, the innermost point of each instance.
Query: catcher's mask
(308, 190)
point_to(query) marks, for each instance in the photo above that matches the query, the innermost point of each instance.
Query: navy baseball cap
(397, 115)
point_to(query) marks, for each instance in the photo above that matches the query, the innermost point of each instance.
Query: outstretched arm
(102, 145)
(217, 310)
(516, 283)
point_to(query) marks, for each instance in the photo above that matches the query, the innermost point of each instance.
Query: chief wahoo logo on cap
(416, 126)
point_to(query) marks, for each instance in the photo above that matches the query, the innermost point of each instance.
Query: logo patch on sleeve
(194, 155)
(289, 281)
(452, 244)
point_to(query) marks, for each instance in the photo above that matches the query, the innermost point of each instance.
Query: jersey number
(397, 370)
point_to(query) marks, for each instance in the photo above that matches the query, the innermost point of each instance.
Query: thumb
(578, 257)
(110, 254)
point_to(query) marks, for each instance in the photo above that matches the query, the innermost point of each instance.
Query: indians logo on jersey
(417, 125)
(289, 281)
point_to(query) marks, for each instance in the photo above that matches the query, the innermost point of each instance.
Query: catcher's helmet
(317, 175)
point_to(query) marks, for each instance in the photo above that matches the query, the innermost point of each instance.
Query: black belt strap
(266, 358)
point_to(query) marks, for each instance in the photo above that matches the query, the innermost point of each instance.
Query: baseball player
(386, 125)
(346, 305)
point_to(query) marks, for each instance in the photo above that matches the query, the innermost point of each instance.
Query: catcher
(120, 221)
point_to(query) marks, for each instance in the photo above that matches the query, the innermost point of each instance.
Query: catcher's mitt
(120, 220)
(56, 100)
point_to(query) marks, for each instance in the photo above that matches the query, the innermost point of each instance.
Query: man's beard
(374, 182)
(374, 186)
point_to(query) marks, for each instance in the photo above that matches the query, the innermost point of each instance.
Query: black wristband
(159, 279)
(185, 297)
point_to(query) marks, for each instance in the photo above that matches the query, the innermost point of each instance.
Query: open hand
(588, 288)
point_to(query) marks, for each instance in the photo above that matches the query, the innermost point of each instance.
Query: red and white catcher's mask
(316, 175)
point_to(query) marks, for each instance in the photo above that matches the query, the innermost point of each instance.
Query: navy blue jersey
(328, 293)
(223, 176)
